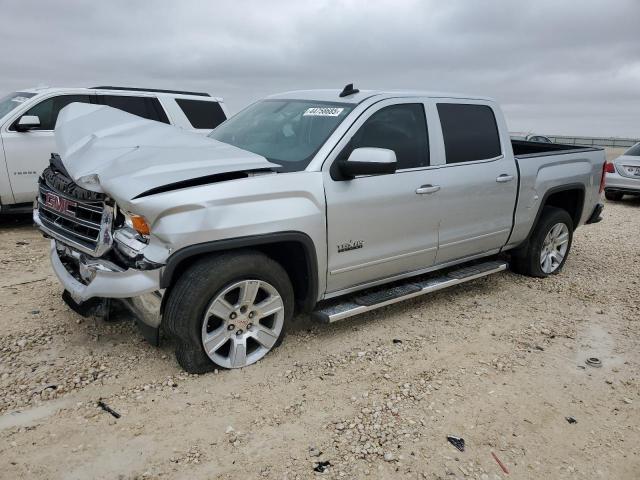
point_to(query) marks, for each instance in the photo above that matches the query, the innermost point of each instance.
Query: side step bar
(372, 299)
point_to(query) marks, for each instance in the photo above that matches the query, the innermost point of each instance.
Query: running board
(365, 302)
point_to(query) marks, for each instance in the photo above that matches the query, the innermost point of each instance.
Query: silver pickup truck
(327, 201)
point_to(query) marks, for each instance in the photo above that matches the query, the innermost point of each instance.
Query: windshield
(11, 101)
(634, 151)
(286, 132)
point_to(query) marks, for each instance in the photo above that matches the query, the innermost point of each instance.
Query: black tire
(613, 196)
(200, 284)
(526, 259)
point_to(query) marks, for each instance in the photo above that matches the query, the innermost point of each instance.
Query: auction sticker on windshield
(323, 111)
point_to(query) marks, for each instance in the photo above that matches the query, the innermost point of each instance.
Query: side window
(48, 110)
(470, 132)
(202, 114)
(401, 128)
(144, 107)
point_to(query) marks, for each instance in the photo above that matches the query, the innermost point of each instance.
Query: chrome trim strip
(55, 235)
(104, 240)
(79, 221)
(382, 260)
(484, 235)
(54, 224)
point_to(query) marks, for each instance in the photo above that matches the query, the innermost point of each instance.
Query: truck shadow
(16, 221)
(630, 201)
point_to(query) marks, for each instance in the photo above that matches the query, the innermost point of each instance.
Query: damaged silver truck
(329, 202)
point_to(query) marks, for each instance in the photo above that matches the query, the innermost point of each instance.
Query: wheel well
(298, 260)
(571, 200)
(293, 258)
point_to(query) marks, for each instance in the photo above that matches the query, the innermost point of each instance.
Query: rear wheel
(548, 248)
(613, 196)
(228, 311)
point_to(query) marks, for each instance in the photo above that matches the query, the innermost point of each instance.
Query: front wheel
(228, 311)
(548, 248)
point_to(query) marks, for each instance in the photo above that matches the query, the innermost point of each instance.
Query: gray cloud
(568, 67)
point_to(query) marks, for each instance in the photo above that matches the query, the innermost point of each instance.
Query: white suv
(28, 119)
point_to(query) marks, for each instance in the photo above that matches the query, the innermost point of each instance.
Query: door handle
(504, 178)
(426, 189)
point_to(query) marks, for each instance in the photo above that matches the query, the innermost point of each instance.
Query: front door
(385, 225)
(27, 153)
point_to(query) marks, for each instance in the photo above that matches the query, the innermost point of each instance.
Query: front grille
(80, 223)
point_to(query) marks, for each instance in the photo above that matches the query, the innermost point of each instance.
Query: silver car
(623, 175)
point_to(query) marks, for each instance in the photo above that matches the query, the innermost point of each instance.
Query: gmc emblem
(60, 204)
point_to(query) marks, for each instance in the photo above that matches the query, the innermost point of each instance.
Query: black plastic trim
(566, 149)
(16, 208)
(595, 215)
(348, 90)
(200, 181)
(183, 254)
(515, 205)
(626, 191)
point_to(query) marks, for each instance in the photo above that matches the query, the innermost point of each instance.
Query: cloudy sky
(557, 67)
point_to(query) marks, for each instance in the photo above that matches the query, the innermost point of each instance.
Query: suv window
(470, 132)
(48, 110)
(202, 114)
(401, 128)
(145, 107)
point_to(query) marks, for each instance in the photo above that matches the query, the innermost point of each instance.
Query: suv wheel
(613, 196)
(546, 251)
(228, 311)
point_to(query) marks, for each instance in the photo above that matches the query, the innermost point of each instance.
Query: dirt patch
(499, 362)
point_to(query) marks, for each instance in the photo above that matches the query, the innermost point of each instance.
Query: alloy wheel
(242, 323)
(554, 248)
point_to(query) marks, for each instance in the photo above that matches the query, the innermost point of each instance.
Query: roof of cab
(333, 95)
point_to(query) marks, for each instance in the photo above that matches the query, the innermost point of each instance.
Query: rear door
(381, 226)
(27, 153)
(478, 180)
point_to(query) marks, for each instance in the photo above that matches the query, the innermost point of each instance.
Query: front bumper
(106, 279)
(614, 182)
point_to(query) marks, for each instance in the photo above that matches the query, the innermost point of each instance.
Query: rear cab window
(202, 114)
(470, 132)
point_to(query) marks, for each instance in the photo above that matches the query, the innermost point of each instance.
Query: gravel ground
(499, 361)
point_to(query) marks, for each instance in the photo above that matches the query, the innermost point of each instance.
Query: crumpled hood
(131, 155)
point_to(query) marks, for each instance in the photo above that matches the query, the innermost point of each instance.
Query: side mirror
(369, 161)
(27, 122)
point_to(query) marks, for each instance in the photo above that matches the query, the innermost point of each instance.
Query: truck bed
(546, 168)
